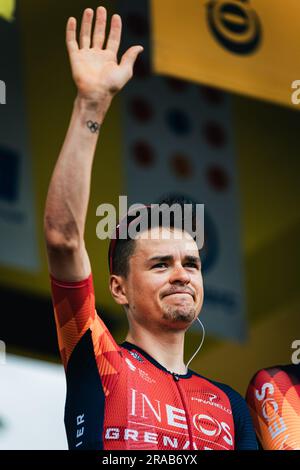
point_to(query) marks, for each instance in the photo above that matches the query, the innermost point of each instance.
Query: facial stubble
(179, 314)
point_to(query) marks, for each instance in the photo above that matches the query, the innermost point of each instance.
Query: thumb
(130, 56)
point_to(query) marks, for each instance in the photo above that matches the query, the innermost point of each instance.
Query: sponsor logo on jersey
(165, 440)
(156, 413)
(136, 356)
(210, 399)
(144, 375)
(271, 413)
(211, 427)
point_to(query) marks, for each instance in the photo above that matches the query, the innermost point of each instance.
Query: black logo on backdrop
(235, 25)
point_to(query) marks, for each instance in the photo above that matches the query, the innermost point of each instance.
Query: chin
(180, 315)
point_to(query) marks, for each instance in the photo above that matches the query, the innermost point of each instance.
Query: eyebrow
(187, 258)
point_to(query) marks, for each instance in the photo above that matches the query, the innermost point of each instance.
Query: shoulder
(243, 426)
(238, 403)
(271, 381)
(224, 387)
(275, 373)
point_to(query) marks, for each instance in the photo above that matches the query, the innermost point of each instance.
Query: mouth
(180, 293)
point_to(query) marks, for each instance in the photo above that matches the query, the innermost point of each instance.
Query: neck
(166, 348)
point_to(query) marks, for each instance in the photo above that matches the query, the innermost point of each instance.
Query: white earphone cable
(203, 336)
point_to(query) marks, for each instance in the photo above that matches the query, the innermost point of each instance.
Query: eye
(159, 265)
(193, 265)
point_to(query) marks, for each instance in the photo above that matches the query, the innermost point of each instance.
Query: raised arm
(98, 77)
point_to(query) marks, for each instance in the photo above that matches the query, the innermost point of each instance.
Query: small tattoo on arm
(93, 126)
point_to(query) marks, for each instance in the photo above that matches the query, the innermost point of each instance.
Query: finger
(129, 58)
(100, 27)
(113, 42)
(71, 40)
(86, 28)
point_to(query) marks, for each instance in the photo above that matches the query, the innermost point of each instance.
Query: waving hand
(95, 69)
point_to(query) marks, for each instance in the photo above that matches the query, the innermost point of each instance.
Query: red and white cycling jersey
(119, 397)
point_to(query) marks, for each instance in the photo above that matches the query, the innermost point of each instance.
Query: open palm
(95, 70)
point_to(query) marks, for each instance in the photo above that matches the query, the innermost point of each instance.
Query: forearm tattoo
(94, 127)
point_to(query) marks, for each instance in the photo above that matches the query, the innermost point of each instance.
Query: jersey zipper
(176, 380)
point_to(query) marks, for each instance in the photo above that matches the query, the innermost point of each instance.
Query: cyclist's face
(164, 286)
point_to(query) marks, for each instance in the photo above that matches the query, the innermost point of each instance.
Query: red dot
(212, 95)
(143, 154)
(218, 178)
(181, 166)
(141, 109)
(214, 134)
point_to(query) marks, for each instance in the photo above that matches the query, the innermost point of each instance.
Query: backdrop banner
(179, 139)
(246, 46)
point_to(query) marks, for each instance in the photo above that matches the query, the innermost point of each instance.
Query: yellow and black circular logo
(235, 25)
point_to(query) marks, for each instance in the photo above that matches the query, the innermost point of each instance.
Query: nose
(179, 275)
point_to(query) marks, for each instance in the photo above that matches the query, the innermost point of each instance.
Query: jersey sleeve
(79, 327)
(273, 397)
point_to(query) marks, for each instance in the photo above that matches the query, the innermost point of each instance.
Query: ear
(117, 286)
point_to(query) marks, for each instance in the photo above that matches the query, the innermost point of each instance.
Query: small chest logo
(136, 356)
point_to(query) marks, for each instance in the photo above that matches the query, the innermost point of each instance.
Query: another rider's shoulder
(274, 373)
